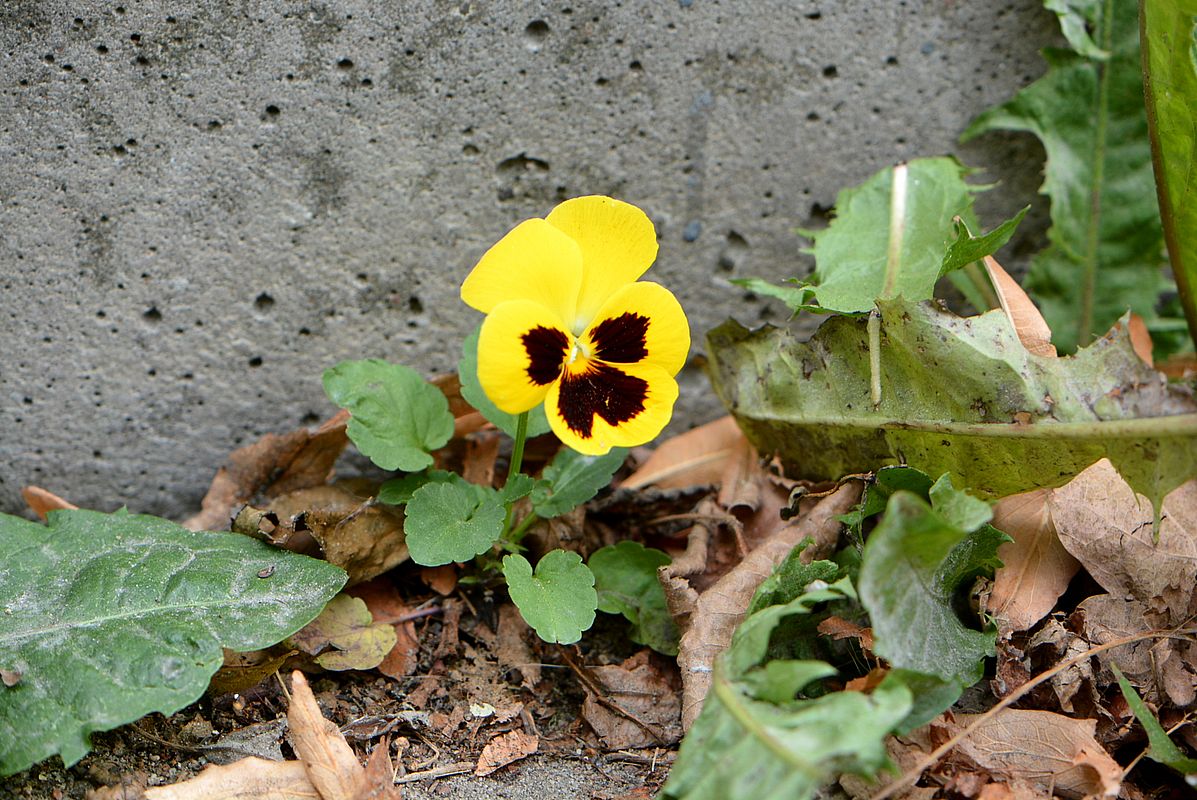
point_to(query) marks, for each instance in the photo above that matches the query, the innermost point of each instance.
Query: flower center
(579, 349)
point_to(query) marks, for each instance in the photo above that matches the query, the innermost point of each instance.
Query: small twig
(600, 696)
(176, 745)
(911, 775)
(418, 614)
(456, 768)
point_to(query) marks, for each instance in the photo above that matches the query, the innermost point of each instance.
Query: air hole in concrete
(310, 418)
(141, 61)
(830, 71)
(272, 110)
(416, 305)
(813, 116)
(152, 314)
(815, 15)
(135, 37)
(97, 454)
(256, 361)
(892, 61)
(469, 150)
(601, 81)
(636, 66)
(535, 34)
(102, 49)
(214, 125)
(263, 302)
(305, 332)
(820, 211)
(345, 63)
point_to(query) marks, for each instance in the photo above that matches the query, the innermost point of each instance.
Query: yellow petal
(521, 352)
(610, 405)
(618, 244)
(534, 261)
(641, 323)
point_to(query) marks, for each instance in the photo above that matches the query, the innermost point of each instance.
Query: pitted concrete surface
(203, 205)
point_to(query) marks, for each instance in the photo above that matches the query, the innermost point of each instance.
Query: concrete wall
(203, 205)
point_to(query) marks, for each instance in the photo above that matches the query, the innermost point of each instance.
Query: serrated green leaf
(398, 491)
(625, 578)
(109, 617)
(959, 395)
(559, 600)
(1105, 240)
(791, 578)
(967, 249)
(1169, 37)
(795, 295)
(397, 418)
(345, 636)
(452, 521)
(519, 487)
(572, 478)
(471, 390)
(1162, 748)
(883, 246)
(959, 508)
(915, 561)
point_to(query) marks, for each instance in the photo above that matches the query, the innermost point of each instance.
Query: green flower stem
(517, 458)
(526, 523)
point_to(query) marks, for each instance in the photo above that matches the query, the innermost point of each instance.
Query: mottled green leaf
(957, 507)
(471, 390)
(915, 562)
(558, 600)
(959, 395)
(572, 478)
(109, 617)
(1169, 37)
(625, 577)
(398, 491)
(1105, 239)
(966, 248)
(397, 418)
(452, 521)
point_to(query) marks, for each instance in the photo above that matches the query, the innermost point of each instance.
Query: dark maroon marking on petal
(546, 351)
(621, 339)
(603, 390)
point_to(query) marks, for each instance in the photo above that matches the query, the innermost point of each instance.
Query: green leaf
(345, 636)
(398, 491)
(559, 600)
(397, 418)
(959, 508)
(888, 241)
(452, 521)
(572, 478)
(109, 617)
(885, 482)
(915, 562)
(795, 296)
(967, 248)
(625, 578)
(791, 578)
(471, 390)
(1169, 38)
(754, 740)
(519, 487)
(1105, 239)
(959, 395)
(931, 696)
(1162, 749)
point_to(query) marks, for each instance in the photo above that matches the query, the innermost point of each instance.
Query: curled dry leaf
(1037, 751)
(250, 778)
(694, 458)
(345, 636)
(640, 687)
(361, 537)
(442, 579)
(512, 648)
(505, 749)
(387, 607)
(1036, 568)
(243, 671)
(300, 459)
(707, 631)
(43, 501)
(1029, 324)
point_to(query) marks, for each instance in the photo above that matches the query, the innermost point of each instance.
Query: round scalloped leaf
(452, 521)
(109, 617)
(558, 600)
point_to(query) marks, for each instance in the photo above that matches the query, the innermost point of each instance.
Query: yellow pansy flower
(569, 324)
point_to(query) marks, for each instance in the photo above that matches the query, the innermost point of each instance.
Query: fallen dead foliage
(388, 607)
(327, 768)
(1036, 568)
(345, 636)
(43, 501)
(694, 458)
(300, 459)
(504, 749)
(642, 689)
(1036, 753)
(1029, 324)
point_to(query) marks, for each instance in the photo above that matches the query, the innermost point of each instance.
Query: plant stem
(517, 459)
(516, 535)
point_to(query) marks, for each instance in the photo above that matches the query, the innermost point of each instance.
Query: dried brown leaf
(247, 779)
(1036, 568)
(641, 687)
(505, 749)
(378, 780)
(512, 649)
(387, 606)
(442, 580)
(743, 480)
(301, 458)
(1108, 528)
(720, 608)
(1028, 323)
(243, 671)
(345, 636)
(1140, 339)
(328, 759)
(482, 450)
(43, 501)
(839, 628)
(694, 458)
